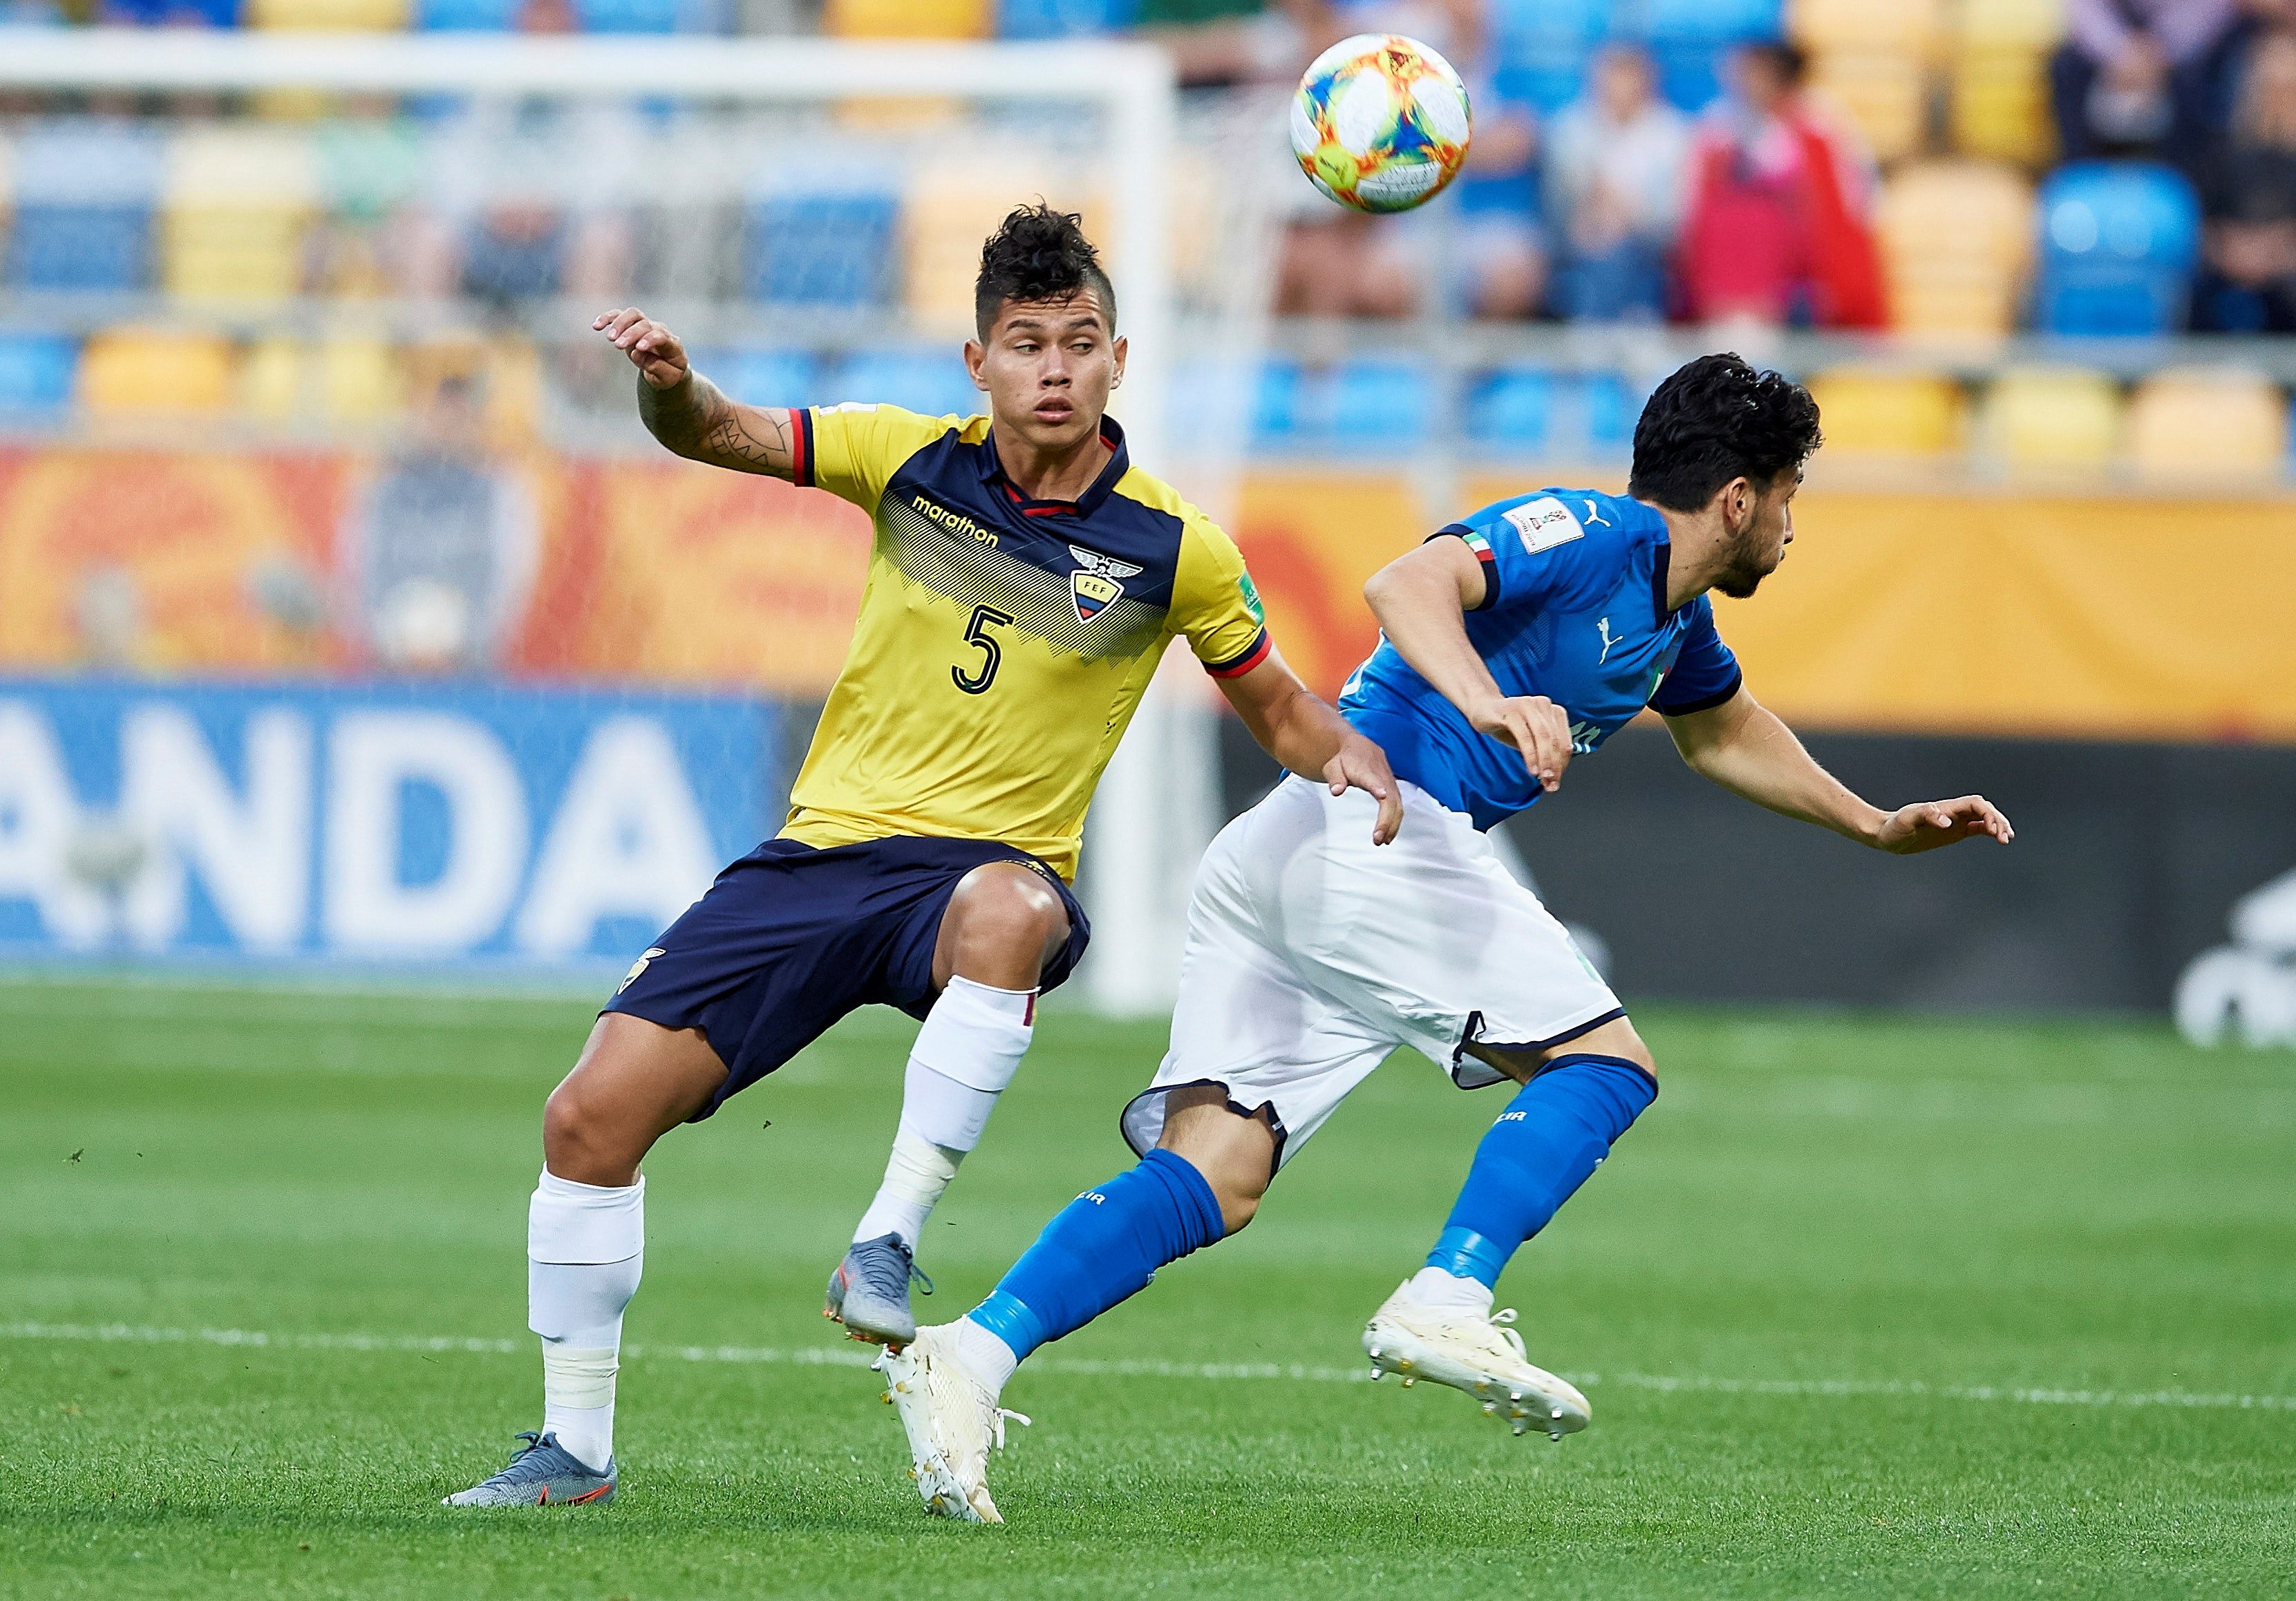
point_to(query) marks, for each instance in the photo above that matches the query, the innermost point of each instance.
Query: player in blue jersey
(1511, 641)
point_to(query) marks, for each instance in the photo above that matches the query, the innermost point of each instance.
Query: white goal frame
(1156, 810)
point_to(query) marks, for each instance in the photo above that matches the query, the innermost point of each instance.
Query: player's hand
(1534, 726)
(653, 350)
(1362, 765)
(1925, 826)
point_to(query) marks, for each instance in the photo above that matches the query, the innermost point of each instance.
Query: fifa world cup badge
(1097, 583)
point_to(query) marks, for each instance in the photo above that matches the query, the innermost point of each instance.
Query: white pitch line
(830, 1355)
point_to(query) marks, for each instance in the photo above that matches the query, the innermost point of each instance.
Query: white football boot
(1475, 1352)
(953, 1422)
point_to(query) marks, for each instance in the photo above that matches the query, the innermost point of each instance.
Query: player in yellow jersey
(1024, 581)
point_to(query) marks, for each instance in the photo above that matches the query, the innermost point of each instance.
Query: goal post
(1157, 805)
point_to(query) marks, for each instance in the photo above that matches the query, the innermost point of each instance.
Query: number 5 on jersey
(992, 654)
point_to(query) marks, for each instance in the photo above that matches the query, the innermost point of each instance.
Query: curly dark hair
(1039, 254)
(1719, 419)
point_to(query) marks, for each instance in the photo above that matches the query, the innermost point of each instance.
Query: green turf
(2058, 1207)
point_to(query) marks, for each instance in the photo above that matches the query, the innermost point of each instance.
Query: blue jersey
(1574, 609)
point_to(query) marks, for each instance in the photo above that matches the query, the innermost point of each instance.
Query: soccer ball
(1380, 123)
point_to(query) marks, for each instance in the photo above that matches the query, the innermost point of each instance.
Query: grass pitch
(1866, 1307)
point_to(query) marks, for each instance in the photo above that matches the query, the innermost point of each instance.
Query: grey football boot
(869, 1292)
(543, 1473)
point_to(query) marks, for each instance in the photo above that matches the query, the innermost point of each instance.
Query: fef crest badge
(1098, 582)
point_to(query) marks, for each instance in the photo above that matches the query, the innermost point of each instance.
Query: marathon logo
(955, 522)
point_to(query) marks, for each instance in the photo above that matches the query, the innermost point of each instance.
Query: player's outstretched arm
(690, 414)
(1422, 601)
(1299, 729)
(1745, 748)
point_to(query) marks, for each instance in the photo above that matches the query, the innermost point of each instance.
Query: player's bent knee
(635, 1080)
(1236, 1154)
(1004, 923)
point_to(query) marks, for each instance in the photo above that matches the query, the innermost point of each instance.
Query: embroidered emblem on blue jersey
(638, 967)
(1097, 583)
(1543, 524)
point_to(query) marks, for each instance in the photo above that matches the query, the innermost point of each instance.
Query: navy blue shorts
(792, 937)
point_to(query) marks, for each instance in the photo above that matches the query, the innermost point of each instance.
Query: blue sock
(1105, 1246)
(1548, 1141)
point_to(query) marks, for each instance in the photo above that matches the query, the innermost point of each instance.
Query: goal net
(347, 615)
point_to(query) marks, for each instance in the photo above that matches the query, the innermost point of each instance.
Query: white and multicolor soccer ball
(1381, 122)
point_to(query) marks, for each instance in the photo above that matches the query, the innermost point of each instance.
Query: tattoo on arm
(696, 421)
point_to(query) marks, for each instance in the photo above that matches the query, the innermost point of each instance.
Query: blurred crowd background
(297, 392)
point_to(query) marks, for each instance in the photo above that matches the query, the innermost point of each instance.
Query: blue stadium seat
(1365, 406)
(1608, 410)
(830, 249)
(1517, 23)
(760, 377)
(35, 373)
(933, 382)
(2119, 242)
(1540, 49)
(85, 195)
(1709, 21)
(1514, 406)
(169, 13)
(1064, 19)
(648, 16)
(466, 16)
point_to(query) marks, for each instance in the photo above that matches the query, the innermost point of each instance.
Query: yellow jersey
(1003, 643)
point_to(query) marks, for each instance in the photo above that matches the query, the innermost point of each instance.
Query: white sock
(966, 1054)
(1438, 1290)
(991, 1360)
(585, 1253)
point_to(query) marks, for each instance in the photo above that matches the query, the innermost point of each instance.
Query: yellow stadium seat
(359, 380)
(153, 371)
(1901, 27)
(1885, 94)
(2059, 418)
(2208, 422)
(2031, 26)
(948, 211)
(1874, 415)
(2001, 105)
(331, 16)
(1956, 240)
(909, 18)
(237, 202)
(271, 381)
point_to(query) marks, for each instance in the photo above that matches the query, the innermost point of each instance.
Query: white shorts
(1313, 954)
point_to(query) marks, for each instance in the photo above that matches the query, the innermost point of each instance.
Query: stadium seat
(2033, 26)
(830, 248)
(35, 373)
(329, 16)
(271, 387)
(359, 379)
(467, 16)
(1874, 415)
(933, 382)
(908, 18)
(2001, 105)
(1705, 22)
(757, 377)
(238, 201)
(1513, 407)
(1063, 19)
(2053, 418)
(1608, 406)
(2119, 244)
(645, 16)
(169, 13)
(1373, 408)
(948, 209)
(1885, 94)
(1540, 49)
(1908, 27)
(83, 193)
(2208, 422)
(1956, 242)
(150, 371)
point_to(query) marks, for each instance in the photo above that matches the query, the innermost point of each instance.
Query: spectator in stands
(2145, 76)
(1777, 227)
(439, 550)
(2249, 283)
(1614, 173)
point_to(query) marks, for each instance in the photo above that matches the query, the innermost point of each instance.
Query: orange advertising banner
(1969, 611)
